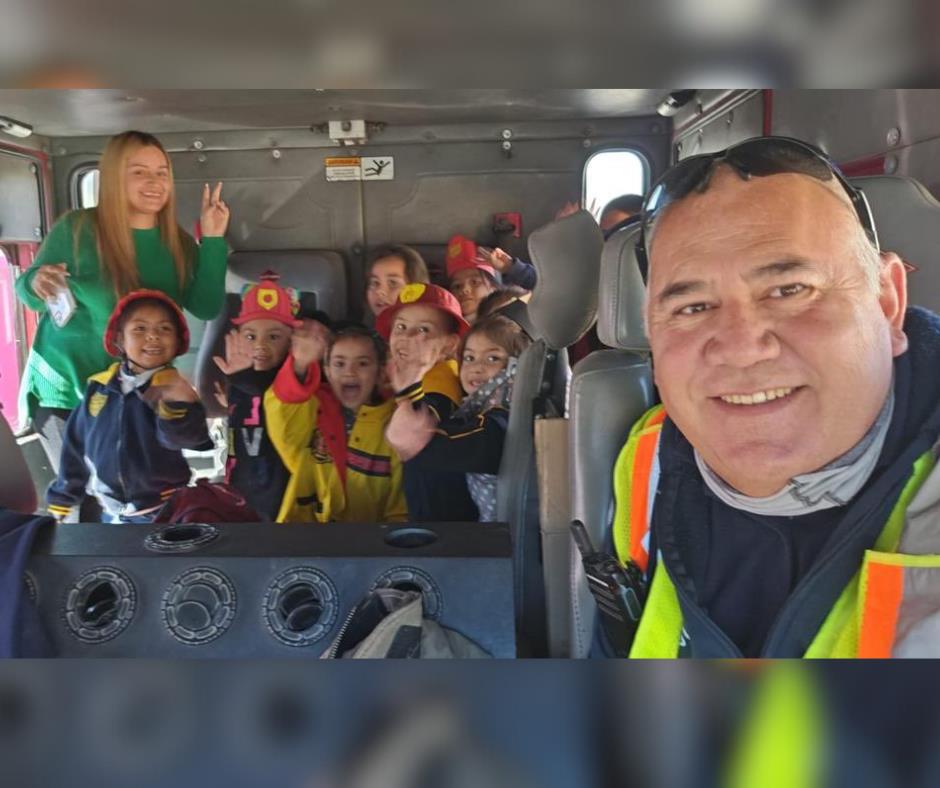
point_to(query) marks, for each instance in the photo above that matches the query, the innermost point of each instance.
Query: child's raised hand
(501, 261)
(410, 429)
(237, 355)
(404, 372)
(308, 344)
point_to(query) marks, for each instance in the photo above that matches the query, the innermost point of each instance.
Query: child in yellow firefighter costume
(331, 433)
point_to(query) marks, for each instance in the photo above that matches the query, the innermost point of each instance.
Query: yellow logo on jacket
(96, 403)
(267, 298)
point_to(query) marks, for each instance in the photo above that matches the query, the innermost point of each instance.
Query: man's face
(268, 342)
(353, 371)
(771, 350)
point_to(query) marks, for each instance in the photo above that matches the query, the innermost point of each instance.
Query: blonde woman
(130, 241)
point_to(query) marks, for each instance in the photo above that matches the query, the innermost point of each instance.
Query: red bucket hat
(111, 331)
(267, 300)
(429, 295)
(462, 253)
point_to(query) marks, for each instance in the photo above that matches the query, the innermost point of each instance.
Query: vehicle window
(610, 173)
(88, 189)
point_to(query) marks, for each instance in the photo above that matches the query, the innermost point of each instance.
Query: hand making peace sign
(213, 218)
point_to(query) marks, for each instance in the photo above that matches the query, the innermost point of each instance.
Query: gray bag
(390, 624)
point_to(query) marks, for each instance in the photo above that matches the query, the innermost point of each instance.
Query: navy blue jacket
(124, 451)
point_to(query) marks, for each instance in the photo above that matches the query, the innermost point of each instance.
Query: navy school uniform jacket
(125, 451)
(254, 467)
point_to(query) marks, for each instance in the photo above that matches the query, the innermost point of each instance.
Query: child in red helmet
(423, 329)
(254, 352)
(123, 444)
(470, 276)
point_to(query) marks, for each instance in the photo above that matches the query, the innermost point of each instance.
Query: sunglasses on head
(755, 157)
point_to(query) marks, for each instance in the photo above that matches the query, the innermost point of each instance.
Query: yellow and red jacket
(333, 477)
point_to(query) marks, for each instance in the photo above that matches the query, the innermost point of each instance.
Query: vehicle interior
(317, 179)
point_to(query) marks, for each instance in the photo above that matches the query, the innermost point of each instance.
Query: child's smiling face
(352, 368)
(149, 337)
(481, 361)
(418, 324)
(268, 342)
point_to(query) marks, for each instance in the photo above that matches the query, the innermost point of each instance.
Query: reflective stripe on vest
(885, 610)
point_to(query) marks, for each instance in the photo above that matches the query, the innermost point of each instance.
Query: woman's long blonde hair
(111, 219)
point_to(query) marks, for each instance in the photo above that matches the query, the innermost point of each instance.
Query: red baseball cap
(462, 253)
(429, 295)
(111, 330)
(267, 300)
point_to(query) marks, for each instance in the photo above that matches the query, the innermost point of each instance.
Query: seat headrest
(566, 254)
(321, 273)
(907, 217)
(622, 293)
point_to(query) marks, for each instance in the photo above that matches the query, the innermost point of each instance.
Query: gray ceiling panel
(67, 113)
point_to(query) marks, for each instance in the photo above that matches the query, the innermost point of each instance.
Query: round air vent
(100, 605)
(181, 538)
(409, 578)
(199, 606)
(301, 606)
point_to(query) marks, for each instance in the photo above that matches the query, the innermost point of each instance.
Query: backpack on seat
(207, 503)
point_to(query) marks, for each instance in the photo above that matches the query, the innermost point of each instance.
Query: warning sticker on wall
(343, 168)
(378, 168)
(359, 168)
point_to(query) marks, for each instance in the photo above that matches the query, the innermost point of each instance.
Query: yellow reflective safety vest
(891, 607)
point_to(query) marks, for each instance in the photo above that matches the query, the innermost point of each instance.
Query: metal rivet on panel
(586, 143)
(730, 119)
(202, 158)
(276, 153)
(61, 151)
(33, 168)
(507, 134)
(890, 165)
(198, 144)
(894, 135)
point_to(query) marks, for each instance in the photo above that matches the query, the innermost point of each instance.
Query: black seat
(566, 254)
(610, 390)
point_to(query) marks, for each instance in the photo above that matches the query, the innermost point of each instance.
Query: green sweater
(62, 359)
